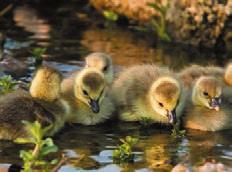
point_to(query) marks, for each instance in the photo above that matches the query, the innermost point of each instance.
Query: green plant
(37, 53)
(145, 121)
(177, 133)
(110, 15)
(7, 84)
(159, 23)
(36, 159)
(123, 153)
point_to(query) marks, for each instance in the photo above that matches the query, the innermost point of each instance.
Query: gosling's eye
(105, 69)
(85, 92)
(205, 93)
(161, 104)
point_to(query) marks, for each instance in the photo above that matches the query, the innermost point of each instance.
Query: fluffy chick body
(198, 113)
(132, 93)
(45, 107)
(89, 84)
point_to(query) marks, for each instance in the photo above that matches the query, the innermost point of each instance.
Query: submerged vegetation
(124, 152)
(7, 84)
(36, 159)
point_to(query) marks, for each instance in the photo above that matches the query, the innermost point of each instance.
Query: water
(69, 33)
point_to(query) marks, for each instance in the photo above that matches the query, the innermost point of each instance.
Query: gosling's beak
(215, 103)
(94, 105)
(172, 116)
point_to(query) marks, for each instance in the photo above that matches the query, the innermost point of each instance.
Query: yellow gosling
(46, 107)
(209, 109)
(190, 74)
(88, 98)
(148, 91)
(102, 62)
(99, 61)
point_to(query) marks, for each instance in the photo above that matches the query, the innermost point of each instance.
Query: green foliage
(159, 24)
(177, 133)
(7, 84)
(37, 53)
(123, 153)
(145, 121)
(110, 15)
(35, 159)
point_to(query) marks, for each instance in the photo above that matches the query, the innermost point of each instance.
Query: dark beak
(94, 106)
(215, 103)
(172, 116)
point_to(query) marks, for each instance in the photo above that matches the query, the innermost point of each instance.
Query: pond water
(71, 31)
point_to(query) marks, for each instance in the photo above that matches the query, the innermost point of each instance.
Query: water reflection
(29, 19)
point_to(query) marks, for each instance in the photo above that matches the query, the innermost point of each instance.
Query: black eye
(161, 104)
(205, 93)
(105, 69)
(85, 92)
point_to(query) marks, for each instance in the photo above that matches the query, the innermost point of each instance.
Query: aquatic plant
(145, 121)
(35, 159)
(37, 53)
(7, 84)
(177, 133)
(124, 153)
(159, 23)
(111, 17)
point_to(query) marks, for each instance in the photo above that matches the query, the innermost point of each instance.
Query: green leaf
(110, 15)
(25, 155)
(54, 161)
(47, 150)
(24, 140)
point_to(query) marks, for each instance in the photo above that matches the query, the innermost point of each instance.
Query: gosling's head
(207, 92)
(164, 97)
(228, 74)
(102, 62)
(46, 84)
(89, 88)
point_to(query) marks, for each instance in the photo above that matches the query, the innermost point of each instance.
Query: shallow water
(70, 33)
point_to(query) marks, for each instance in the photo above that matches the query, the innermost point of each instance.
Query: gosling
(88, 98)
(190, 74)
(148, 91)
(209, 107)
(43, 105)
(228, 74)
(102, 62)
(99, 61)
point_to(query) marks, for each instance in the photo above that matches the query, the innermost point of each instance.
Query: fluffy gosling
(148, 91)
(99, 61)
(209, 108)
(43, 105)
(88, 98)
(102, 62)
(190, 74)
